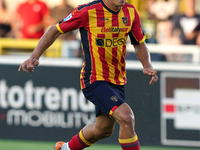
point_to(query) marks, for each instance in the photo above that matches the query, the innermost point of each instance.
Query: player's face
(115, 4)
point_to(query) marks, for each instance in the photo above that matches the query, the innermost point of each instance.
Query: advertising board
(180, 108)
(49, 105)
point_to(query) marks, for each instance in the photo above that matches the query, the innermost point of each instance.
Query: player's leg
(110, 100)
(107, 98)
(127, 136)
(102, 128)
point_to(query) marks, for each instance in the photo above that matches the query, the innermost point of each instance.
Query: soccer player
(104, 26)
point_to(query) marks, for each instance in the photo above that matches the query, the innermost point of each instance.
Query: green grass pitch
(36, 145)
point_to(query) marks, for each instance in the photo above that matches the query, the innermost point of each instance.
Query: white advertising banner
(180, 109)
(187, 115)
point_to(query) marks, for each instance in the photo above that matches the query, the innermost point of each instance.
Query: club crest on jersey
(125, 20)
(68, 17)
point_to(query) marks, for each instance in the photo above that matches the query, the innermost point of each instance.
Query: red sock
(130, 144)
(78, 142)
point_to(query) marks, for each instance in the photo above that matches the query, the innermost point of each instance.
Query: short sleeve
(136, 34)
(76, 19)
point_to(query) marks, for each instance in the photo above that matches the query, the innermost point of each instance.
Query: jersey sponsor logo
(125, 20)
(110, 42)
(114, 29)
(104, 19)
(68, 17)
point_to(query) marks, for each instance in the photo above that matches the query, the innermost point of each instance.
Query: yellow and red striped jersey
(103, 35)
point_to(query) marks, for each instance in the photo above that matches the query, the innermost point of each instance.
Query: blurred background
(39, 106)
(165, 22)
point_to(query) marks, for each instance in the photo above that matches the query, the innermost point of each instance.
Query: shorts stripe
(112, 111)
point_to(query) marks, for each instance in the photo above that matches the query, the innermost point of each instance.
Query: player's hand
(152, 73)
(28, 65)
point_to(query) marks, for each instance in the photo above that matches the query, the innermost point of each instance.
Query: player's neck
(111, 5)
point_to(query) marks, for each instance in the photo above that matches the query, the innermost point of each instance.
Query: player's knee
(104, 133)
(126, 119)
(107, 134)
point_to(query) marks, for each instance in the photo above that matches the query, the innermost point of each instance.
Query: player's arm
(45, 41)
(143, 55)
(138, 41)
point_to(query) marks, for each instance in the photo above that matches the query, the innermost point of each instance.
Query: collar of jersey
(109, 9)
